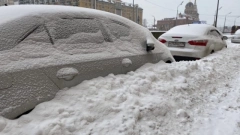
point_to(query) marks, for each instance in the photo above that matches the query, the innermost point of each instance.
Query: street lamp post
(225, 20)
(177, 13)
(95, 4)
(154, 22)
(133, 12)
(217, 13)
(235, 20)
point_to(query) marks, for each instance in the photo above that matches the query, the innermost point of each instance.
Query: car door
(219, 43)
(213, 41)
(130, 44)
(86, 45)
(23, 84)
(222, 42)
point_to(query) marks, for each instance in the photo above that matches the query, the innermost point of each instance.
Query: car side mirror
(150, 45)
(224, 38)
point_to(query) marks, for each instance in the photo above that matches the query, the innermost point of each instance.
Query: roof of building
(189, 4)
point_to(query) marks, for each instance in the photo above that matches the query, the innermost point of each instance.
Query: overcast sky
(206, 9)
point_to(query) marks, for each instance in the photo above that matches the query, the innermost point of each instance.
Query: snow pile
(178, 98)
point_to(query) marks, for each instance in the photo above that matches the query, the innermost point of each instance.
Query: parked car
(193, 41)
(236, 37)
(46, 48)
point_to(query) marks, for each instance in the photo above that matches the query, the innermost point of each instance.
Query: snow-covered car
(193, 41)
(47, 48)
(236, 37)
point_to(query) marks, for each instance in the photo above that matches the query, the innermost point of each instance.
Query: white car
(193, 41)
(236, 37)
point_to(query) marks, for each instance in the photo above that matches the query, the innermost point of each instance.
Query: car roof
(191, 29)
(237, 32)
(9, 13)
(197, 25)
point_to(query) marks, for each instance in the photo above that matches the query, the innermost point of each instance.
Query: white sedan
(236, 37)
(193, 41)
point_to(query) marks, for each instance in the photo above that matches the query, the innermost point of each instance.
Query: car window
(13, 33)
(69, 28)
(37, 35)
(77, 30)
(118, 29)
(218, 34)
(78, 35)
(214, 33)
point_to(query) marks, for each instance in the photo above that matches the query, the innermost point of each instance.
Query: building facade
(190, 16)
(51, 2)
(117, 7)
(113, 6)
(6, 2)
(192, 11)
(168, 23)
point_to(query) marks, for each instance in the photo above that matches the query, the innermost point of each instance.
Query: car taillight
(198, 42)
(162, 40)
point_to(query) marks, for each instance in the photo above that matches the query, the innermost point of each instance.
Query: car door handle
(67, 74)
(126, 62)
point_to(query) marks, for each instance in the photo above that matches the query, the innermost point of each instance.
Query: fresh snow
(186, 98)
(190, 29)
(237, 32)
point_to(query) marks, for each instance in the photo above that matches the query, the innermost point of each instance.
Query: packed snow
(189, 97)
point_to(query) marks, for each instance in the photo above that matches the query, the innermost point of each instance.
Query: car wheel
(168, 61)
(212, 51)
(226, 46)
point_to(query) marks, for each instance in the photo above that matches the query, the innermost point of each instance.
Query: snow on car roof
(8, 13)
(190, 29)
(237, 32)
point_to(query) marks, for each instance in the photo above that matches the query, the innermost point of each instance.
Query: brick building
(112, 6)
(51, 2)
(8, 2)
(116, 7)
(168, 23)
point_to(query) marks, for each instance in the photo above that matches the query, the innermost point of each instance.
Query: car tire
(168, 61)
(212, 52)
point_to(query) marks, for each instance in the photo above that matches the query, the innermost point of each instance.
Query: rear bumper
(235, 40)
(179, 58)
(188, 53)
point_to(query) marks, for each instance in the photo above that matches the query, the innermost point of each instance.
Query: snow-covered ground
(183, 98)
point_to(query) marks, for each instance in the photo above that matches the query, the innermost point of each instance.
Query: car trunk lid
(178, 40)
